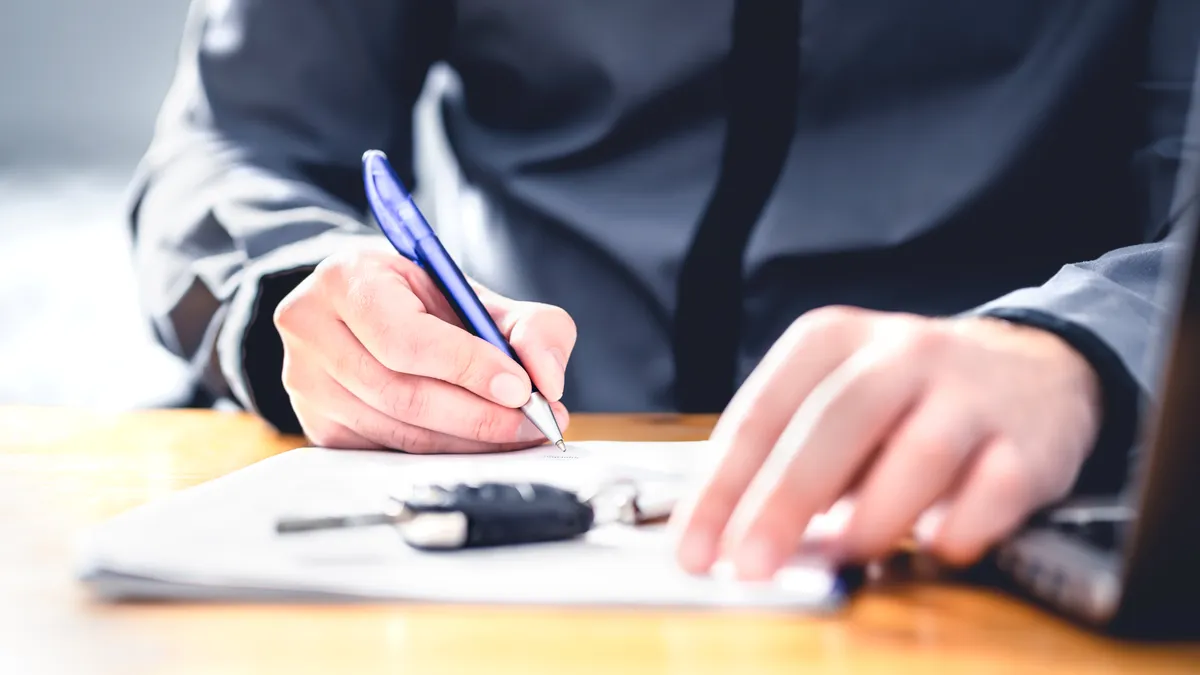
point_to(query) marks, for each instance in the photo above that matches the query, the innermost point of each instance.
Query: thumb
(542, 335)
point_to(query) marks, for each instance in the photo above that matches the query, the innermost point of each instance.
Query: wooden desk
(63, 470)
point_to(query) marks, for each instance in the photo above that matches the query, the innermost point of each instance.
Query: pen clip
(386, 199)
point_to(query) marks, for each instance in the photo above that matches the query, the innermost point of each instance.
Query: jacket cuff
(249, 349)
(1107, 467)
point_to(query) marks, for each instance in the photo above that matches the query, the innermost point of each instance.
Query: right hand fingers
(316, 336)
(373, 295)
(410, 399)
(332, 417)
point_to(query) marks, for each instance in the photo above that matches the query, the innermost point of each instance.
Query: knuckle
(465, 362)
(931, 448)
(830, 316)
(360, 295)
(411, 439)
(410, 402)
(562, 321)
(365, 364)
(409, 272)
(400, 437)
(466, 368)
(922, 342)
(359, 278)
(488, 425)
(823, 321)
(1009, 478)
(372, 376)
(285, 312)
(288, 315)
(370, 426)
(360, 423)
(329, 269)
(291, 375)
(335, 269)
(391, 393)
(399, 347)
(289, 381)
(347, 364)
(957, 550)
(409, 349)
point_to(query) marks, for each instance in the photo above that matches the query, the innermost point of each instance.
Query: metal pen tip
(539, 412)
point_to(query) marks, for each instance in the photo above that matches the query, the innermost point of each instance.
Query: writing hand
(374, 357)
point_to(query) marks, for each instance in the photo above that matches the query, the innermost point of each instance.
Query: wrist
(1066, 357)
(1106, 384)
(249, 347)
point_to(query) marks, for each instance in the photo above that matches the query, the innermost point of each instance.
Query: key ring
(622, 501)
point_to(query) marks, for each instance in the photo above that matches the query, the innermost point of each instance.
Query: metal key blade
(294, 525)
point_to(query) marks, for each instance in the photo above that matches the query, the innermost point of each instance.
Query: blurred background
(80, 85)
(81, 82)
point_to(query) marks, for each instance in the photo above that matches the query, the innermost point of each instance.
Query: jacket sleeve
(1117, 310)
(253, 173)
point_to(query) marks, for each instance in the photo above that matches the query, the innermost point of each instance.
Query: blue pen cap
(391, 204)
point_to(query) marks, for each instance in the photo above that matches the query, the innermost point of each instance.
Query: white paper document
(218, 541)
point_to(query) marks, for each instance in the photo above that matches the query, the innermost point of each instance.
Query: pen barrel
(458, 292)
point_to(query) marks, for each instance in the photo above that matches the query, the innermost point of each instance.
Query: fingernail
(509, 390)
(559, 358)
(757, 559)
(928, 524)
(696, 551)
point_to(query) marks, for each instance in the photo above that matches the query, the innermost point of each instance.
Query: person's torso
(938, 154)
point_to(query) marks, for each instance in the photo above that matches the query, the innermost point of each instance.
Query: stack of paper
(217, 540)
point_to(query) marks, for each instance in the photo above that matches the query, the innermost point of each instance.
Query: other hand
(374, 357)
(976, 419)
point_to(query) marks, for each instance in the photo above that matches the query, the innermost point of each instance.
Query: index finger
(754, 420)
(826, 444)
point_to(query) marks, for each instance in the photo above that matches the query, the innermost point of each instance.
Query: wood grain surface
(62, 470)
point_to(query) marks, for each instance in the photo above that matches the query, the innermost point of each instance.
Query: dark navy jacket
(686, 177)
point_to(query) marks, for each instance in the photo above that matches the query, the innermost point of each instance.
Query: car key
(437, 518)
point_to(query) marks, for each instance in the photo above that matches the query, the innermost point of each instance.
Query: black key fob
(481, 515)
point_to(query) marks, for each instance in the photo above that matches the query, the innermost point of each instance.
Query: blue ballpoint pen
(411, 235)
